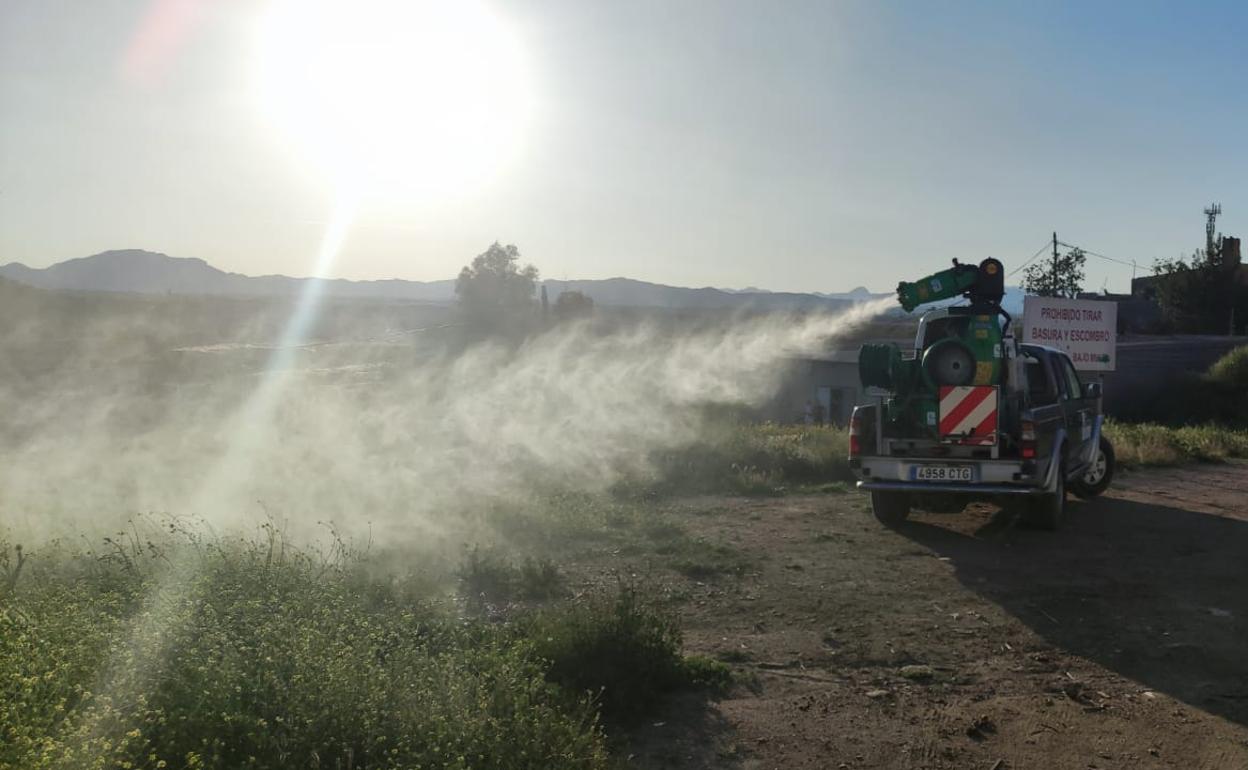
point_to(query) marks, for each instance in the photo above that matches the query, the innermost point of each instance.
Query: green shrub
(1231, 369)
(487, 576)
(540, 579)
(701, 671)
(621, 650)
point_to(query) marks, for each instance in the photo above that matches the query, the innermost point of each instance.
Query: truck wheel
(1099, 474)
(1047, 511)
(891, 508)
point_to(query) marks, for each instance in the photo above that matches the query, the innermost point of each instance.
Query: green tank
(965, 350)
(970, 353)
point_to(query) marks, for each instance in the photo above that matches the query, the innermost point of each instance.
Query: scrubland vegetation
(1143, 444)
(190, 651)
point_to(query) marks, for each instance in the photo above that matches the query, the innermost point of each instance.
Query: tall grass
(1149, 444)
(746, 458)
(231, 654)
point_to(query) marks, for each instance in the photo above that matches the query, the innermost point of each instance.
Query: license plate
(941, 473)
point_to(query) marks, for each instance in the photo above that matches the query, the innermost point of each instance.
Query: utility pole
(1056, 292)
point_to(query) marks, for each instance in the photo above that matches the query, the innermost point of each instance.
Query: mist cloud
(361, 436)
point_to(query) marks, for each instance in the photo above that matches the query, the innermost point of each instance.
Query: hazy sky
(788, 145)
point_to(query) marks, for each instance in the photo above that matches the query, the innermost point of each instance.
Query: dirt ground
(965, 641)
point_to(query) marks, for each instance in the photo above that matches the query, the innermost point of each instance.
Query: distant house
(1145, 287)
(1136, 314)
(828, 380)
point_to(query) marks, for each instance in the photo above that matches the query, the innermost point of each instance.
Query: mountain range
(146, 272)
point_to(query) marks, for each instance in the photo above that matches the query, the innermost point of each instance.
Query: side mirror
(1092, 390)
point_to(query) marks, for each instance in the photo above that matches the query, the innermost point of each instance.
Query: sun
(394, 96)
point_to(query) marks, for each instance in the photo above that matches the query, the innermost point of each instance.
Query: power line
(1033, 259)
(1094, 254)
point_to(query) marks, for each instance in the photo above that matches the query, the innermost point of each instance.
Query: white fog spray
(395, 445)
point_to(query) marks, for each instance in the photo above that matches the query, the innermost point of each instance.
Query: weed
(1145, 444)
(622, 650)
(701, 671)
(236, 655)
(750, 459)
(736, 655)
(487, 576)
(699, 559)
(540, 580)
(11, 566)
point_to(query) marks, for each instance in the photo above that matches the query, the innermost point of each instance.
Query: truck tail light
(855, 434)
(1027, 440)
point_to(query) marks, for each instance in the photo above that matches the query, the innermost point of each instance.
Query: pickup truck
(1047, 440)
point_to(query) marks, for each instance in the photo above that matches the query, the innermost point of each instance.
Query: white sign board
(1086, 329)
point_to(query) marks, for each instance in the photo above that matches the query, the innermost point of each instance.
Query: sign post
(1087, 330)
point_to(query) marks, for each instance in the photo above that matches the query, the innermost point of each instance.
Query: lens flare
(394, 96)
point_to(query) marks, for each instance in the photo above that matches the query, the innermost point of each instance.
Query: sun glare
(394, 96)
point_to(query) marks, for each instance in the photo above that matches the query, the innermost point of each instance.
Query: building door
(823, 397)
(836, 408)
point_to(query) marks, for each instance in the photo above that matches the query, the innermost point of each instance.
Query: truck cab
(1060, 403)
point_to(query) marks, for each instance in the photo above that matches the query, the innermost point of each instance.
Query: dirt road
(962, 641)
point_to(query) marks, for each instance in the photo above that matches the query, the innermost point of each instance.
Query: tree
(573, 304)
(1061, 276)
(1201, 295)
(494, 291)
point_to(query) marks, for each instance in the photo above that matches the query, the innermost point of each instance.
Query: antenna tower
(1211, 215)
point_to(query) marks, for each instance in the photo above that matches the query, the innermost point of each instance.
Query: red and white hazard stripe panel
(968, 414)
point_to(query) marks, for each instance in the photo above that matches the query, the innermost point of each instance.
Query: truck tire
(1047, 511)
(890, 508)
(1099, 474)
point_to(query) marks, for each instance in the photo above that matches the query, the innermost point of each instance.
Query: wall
(1147, 365)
